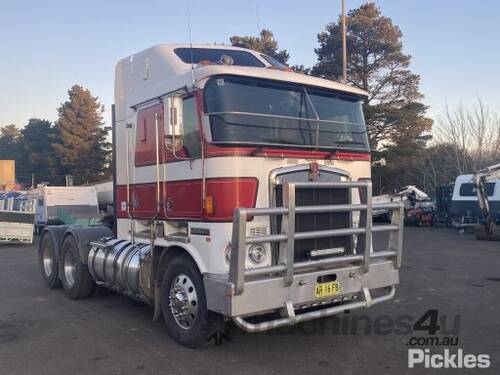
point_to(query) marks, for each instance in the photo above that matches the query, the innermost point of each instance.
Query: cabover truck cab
(241, 189)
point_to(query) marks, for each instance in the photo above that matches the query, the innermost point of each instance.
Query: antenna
(258, 19)
(190, 44)
(344, 45)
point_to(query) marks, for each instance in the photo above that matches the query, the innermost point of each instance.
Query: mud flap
(157, 304)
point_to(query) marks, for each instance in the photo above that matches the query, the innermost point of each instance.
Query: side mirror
(174, 126)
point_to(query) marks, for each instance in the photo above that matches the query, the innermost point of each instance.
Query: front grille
(258, 231)
(318, 221)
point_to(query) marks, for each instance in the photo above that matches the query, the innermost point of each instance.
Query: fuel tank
(122, 266)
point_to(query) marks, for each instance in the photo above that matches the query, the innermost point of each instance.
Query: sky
(48, 46)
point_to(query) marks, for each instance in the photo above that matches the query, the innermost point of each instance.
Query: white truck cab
(241, 188)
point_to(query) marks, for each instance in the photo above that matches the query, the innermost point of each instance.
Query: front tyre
(76, 279)
(184, 304)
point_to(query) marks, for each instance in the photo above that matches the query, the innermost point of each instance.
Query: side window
(191, 131)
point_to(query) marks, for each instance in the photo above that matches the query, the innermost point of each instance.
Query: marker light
(209, 205)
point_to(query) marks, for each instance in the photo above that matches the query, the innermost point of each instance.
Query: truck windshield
(263, 112)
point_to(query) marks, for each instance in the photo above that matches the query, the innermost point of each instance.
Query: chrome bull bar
(286, 265)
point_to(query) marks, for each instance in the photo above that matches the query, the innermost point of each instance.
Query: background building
(7, 174)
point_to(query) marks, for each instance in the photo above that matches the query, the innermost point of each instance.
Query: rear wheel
(184, 305)
(47, 263)
(76, 279)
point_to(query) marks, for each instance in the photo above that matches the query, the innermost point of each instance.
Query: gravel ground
(43, 332)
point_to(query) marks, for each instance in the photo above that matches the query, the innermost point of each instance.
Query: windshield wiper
(349, 143)
(339, 143)
(257, 150)
(280, 140)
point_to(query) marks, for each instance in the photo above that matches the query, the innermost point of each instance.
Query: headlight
(257, 253)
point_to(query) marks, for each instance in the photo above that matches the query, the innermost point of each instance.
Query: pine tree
(377, 64)
(10, 147)
(10, 137)
(264, 43)
(37, 138)
(82, 147)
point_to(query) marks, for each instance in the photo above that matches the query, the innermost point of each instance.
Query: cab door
(184, 186)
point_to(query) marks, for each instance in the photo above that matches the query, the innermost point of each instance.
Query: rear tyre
(47, 263)
(184, 304)
(76, 279)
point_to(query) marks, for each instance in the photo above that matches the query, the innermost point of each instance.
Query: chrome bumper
(289, 286)
(291, 318)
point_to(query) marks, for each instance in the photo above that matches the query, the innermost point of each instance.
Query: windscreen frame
(363, 149)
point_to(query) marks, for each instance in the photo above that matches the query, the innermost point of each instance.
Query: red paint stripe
(185, 198)
(215, 151)
(229, 193)
(353, 156)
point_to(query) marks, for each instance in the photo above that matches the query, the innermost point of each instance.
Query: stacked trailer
(17, 219)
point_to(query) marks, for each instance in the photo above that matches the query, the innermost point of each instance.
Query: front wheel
(184, 304)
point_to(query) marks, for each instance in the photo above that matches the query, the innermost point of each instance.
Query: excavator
(489, 228)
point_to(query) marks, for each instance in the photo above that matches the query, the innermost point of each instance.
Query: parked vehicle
(104, 195)
(17, 216)
(420, 216)
(411, 197)
(464, 208)
(58, 205)
(241, 189)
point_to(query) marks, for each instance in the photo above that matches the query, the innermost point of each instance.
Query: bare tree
(464, 141)
(473, 133)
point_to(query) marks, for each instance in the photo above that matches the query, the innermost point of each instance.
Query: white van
(464, 208)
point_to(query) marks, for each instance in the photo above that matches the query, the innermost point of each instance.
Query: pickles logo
(433, 324)
(448, 359)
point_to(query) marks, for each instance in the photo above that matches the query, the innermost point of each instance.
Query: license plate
(329, 289)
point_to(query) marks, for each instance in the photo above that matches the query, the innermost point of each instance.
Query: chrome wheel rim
(183, 301)
(47, 260)
(69, 268)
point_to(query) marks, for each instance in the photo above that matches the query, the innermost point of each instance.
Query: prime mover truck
(242, 190)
